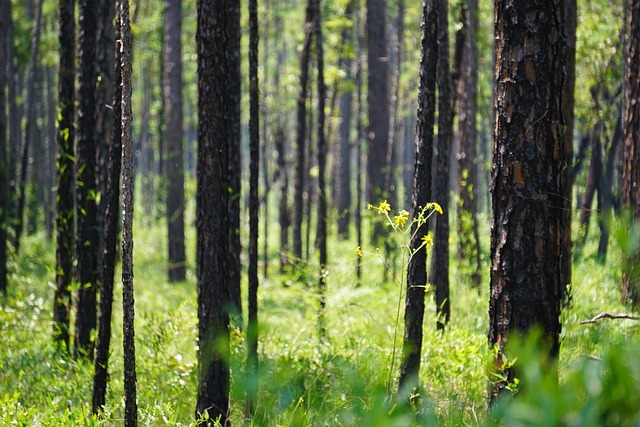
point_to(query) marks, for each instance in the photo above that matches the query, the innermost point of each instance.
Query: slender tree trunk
(284, 198)
(631, 171)
(254, 209)
(344, 161)
(214, 133)
(112, 211)
(4, 152)
(528, 188)
(87, 237)
(31, 119)
(359, 37)
(174, 135)
(417, 270)
(15, 116)
(442, 157)
(263, 130)
(128, 335)
(65, 174)
(607, 191)
(594, 177)
(300, 171)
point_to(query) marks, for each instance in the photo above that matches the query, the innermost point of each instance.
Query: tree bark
(215, 70)
(417, 269)
(87, 236)
(174, 133)
(631, 171)
(112, 215)
(65, 175)
(284, 198)
(527, 179)
(442, 157)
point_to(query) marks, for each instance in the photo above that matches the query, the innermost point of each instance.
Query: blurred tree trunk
(343, 189)
(128, 314)
(15, 115)
(528, 229)
(30, 109)
(359, 39)
(417, 270)
(467, 151)
(65, 218)
(147, 152)
(284, 219)
(235, 169)
(631, 171)
(441, 160)
(377, 99)
(174, 135)
(594, 174)
(112, 215)
(4, 153)
(254, 210)
(87, 236)
(215, 73)
(607, 190)
(51, 143)
(301, 132)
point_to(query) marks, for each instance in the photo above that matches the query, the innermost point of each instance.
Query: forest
(319, 213)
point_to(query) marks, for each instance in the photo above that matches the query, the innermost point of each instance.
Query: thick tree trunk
(112, 215)
(301, 132)
(631, 171)
(174, 159)
(87, 237)
(417, 270)
(215, 73)
(377, 99)
(254, 209)
(65, 174)
(442, 157)
(527, 184)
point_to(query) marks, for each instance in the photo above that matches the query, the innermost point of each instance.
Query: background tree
(65, 218)
(87, 236)
(174, 158)
(631, 171)
(528, 228)
(4, 163)
(214, 110)
(417, 270)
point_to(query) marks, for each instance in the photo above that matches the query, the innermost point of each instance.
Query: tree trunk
(87, 236)
(594, 177)
(254, 209)
(442, 157)
(607, 191)
(417, 269)
(344, 162)
(300, 172)
(215, 72)
(284, 198)
(112, 215)
(467, 151)
(174, 158)
(65, 174)
(359, 37)
(631, 171)
(527, 181)
(377, 99)
(4, 159)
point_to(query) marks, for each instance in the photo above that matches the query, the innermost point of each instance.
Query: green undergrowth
(307, 381)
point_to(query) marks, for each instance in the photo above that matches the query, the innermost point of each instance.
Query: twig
(605, 315)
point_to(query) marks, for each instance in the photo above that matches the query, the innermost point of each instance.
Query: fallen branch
(605, 315)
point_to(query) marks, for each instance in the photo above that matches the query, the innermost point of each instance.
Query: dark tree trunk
(263, 131)
(322, 161)
(442, 157)
(29, 126)
(65, 175)
(301, 132)
(467, 151)
(527, 181)
(4, 152)
(284, 198)
(112, 215)
(128, 314)
(15, 116)
(235, 170)
(377, 99)
(174, 157)
(215, 71)
(417, 269)
(359, 37)
(631, 125)
(51, 112)
(87, 236)
(607, 191)
(254, 209)
(594, 177)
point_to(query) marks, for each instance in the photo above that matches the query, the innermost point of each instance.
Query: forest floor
(303, 380)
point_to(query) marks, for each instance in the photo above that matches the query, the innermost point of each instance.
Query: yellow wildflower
(384, 207)
(401, 218)
(369, 206)
(428, 241)
(358, 251)
(437, 208)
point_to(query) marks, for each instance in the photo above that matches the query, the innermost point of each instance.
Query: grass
(303, 381)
